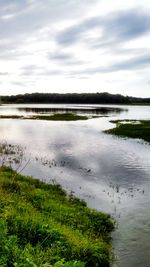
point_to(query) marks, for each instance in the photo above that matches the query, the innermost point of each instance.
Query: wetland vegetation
(131, 128)
(117, 185)
(53, 117)
(40, 225)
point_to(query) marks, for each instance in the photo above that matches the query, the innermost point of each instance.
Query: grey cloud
(28, 16)
(29, 70)
(131, 64)
(33, 70)
(9, 49)
(76, 32)
(21, 20)
(64, 58)
(4, 73)
(29, 67)
(18, 83)
(60, 56)
(120, 28)
(115, 27)
(128, 25)
(52, 72)
(70, 36)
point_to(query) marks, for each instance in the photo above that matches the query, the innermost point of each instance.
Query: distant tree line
(73, 98)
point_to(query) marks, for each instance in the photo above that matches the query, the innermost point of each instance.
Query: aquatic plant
(132, 128)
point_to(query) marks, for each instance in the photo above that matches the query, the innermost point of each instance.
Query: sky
(67, 46)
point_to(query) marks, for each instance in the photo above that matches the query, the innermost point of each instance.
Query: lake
(112, 174)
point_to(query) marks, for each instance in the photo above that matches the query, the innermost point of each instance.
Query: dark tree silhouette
(73, 98)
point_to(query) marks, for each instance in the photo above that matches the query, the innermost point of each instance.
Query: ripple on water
(110, 173)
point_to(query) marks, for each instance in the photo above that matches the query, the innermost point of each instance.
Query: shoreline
(44, 225)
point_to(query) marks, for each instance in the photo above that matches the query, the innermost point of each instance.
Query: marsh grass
(40, 225)
(132, 128)
(10, 117)
(53, 117)
(11, 155)
(61, 117)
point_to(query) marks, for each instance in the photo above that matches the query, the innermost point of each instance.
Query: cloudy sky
(75, 46)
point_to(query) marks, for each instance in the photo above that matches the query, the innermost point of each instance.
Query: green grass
(140, 104)
(40, 225)
(10, 117)
(61, 117)
(132, 128)
(54, 117)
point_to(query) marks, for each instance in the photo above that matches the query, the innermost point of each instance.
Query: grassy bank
(42, 226)
(132, 128)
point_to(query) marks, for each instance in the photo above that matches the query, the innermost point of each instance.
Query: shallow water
(110, 173)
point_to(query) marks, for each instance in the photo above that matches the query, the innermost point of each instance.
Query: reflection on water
(93, 111)
(110, 173)
(47, 109)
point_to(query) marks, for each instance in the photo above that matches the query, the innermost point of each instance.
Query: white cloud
(75, 46)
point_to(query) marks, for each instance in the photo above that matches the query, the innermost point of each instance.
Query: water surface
(110, 173)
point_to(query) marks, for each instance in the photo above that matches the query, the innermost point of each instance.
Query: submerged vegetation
(40, 225)
(132, 128)
(53, 117)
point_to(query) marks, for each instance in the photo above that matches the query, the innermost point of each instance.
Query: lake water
(110, 173)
